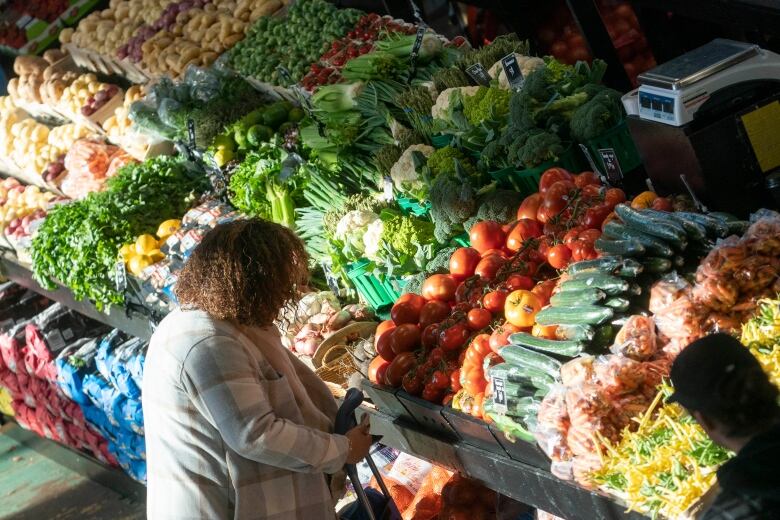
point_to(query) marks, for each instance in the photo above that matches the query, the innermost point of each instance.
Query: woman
(236, 426)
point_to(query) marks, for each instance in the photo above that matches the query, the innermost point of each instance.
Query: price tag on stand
(698, 203)
(592, 163)
(611, 162)
(120, 275)
(478, 73)
(416, 52)
(512, 70)
(498, 383)
(387, 192)
(191, 133)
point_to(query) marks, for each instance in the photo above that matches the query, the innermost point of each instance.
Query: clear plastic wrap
(636, 339)
(553, 425)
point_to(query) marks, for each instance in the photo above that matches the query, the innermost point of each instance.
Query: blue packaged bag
(73, 364)
(121, 368)
(104, 396)
(105, 357)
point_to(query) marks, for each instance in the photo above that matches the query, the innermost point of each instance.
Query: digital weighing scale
(713, 116)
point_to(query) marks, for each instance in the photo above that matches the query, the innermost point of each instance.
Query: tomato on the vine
(559, 256)
(415, 300)
(412, 384)
(430, 336)
(494, 300)
(463, 262)
(500, 337)
(433, 312)
(478, 319)
(455, 380)
(431, 393)
(551, 176)
(525, 229)
(662, 204)
(453, 337)
(402, 364)
(595, 215)
(529, 207)
(383, 345)
(440, 379)
(489, 266)
(587, 178)
(518, 281)
(487, 234)
(614, 196)
(405, 312)
(377, 369)
(557, 196)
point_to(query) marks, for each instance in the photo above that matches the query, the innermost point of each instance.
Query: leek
(374, 65)
(337, 98)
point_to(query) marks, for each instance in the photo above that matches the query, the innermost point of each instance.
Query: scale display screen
(655, 106)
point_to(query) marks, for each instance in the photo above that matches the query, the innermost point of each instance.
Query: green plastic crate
(462, 240)
(414, 206)
(380, 294)
(619, 139)
(441, 140)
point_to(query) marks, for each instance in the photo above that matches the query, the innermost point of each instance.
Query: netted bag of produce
(87, 164)
(427, 501)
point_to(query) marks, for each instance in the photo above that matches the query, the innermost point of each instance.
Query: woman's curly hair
(244, 271)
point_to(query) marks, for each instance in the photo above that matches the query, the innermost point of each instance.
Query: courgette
(664, 217)
(523, 389)
(579, 297)
(657, 265)
(618, 303)
(585, 314)
(646, 224)
(523, 357)
(522, 374)
(552, 346)
(572, 332)
(606, 282)
(715, 227)
(619, 247)
(654, 245)
(630, 268)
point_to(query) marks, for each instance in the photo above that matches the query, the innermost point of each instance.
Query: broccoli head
(598, 115)
(452, 202)
(440, 263)
(499, 205)
(443, 161)
(537, 147)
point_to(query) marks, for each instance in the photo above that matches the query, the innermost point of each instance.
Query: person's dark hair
(745, 403)
(244, 271)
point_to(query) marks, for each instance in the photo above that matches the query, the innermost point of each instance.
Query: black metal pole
(587, 16)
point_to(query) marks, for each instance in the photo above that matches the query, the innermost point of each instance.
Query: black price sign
(416, 52)
(512, 70)
(499, 393)
(191, 133)
(479, 74)
(611, 165)
(120, 275)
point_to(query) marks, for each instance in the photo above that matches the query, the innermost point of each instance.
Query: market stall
(487, 259)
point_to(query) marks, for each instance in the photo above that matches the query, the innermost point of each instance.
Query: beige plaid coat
(225, 437)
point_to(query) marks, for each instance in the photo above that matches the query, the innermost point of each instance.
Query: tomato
(559, 49)
(377, 369)
(431, 393)
(530, 206)
(487, 235)
(589, 235)
(499, 252)
(494, 300)
(415, 300)
(544, 290)
(559, 256)
(662, 204)
(384, 345)
(412, 384)
(614, 196)
(474, 381)
(545, 214)
(518, 281)
(454, 337)
(447, 399)
(439, 287)
(583, 250)
(557, 196)
(405, 338)
(402, 364)
(470, 291)
(435, 356)
(544, 331)
(433, 312)
(481, 344)
(440, 380)
(544, 247)
(430, 336)
(478, 319)
(572, 235)
(463, 262)
(402, 313)
(500, 337)
(551, 176)
(521, 307)
(525, 229)
(455, 380)
(489, 266)
(382, 328)
(595, 215)
(586, 178)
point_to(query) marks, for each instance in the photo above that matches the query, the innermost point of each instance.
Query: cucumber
(523, 357)
(606, 282)
(522, 374)
(566, 298)
(512, 429)
(572, 332)
(663, 217)
(654, 245)
(585, 314)
(542, 384)
(603, 338)
(714, 226)
(646, 224)
(657, 265)
(619, 247)
(605, 264)
(630, 268)
(618, 303)
(560, 347)
(697, 232)
(523, 389)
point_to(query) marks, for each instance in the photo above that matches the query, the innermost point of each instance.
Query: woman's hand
(359, 441)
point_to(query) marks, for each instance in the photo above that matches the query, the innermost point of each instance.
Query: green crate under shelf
(379, 293)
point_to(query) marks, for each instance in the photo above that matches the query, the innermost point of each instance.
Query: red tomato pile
(438, 344)
(567, 44)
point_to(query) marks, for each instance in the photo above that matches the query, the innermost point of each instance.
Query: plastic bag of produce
(105, 358)
(427, 501)
(118, 160)
(636, 339)
(169, 111)
(87, 164)
(73, 363)
(120, 375)
(204, 84)
(20, 306)
(553, 425)
(665, 291)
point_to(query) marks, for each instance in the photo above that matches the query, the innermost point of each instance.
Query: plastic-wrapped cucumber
(577, 297)
(715, 227)
(521, 359)
(585, 314)
(512, 429)
(653, 245)
(612, 285)
(560, 347)
(618, 303)
(657, 265)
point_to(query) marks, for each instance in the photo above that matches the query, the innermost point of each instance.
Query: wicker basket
(340, 338)
(338, 370)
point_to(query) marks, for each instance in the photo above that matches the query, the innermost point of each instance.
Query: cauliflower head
(352, 228)
(406, 178)
(372, 239)
(527, 65)
(441, 107)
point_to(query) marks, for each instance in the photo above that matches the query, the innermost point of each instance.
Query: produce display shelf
(536, 487)
(127, 320)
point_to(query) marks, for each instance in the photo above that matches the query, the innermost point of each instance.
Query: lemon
(138, 263)
(126, 251)
(223, 156)
(155, 255)
(145, 243)
(168, 228)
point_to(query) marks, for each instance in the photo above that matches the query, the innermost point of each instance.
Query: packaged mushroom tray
(119, 130)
